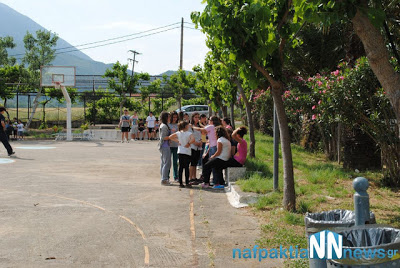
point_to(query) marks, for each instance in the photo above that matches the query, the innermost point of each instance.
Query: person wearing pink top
(209, 130)
(226, 122)
(239, 158)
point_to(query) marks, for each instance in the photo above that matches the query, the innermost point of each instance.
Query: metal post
(149, 103)
(29, 104)
(17, 104)
(69, 117)
(338, 142)
(276, 151)
(162, 100)
(181, 57)
(361, 201)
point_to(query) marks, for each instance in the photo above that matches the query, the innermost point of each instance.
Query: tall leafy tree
(123, 83)
(255, 34)
(181, 83)
(11, 79)
(39, 51)
(368, 18)
(6, 42)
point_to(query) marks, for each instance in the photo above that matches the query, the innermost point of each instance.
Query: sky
(84, 21)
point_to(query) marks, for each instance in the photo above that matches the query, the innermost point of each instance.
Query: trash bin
(327, 220)
(369, 246)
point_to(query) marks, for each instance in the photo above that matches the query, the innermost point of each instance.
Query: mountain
(16, 25)
(171, 72)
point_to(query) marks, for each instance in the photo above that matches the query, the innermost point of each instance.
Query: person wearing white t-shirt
(185, 139)
(21, 130)
(151, 121)
(134, 126)
(218, 159)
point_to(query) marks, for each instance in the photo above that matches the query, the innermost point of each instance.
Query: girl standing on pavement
(173, 125)
(185, 139)
(196, 147)
(165, 151)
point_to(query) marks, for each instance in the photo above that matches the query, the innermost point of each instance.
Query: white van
(190, 109)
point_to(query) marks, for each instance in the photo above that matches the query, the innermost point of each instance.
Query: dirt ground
(100, 204)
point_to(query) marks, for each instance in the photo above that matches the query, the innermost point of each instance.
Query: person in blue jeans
(173, 126)
(165, 151)
(209, 130)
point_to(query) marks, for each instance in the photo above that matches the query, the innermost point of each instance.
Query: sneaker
(188, 186)
(176, 180)
(122, 141)
(11, 154)
(182, 186)
(219, 187)
(142, 138)
(198, 167)
(165, 183)
(205, 186)
(127, 141)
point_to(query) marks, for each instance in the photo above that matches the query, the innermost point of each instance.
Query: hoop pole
(69, 112)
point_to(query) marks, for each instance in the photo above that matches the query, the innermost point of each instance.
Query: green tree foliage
(39, 49)
(6, 43)
(55, 93)
(215, 84)
(123, 83)
(367, 17)
(11, 75)
(106, 109)
(255, 35)
(180, 84)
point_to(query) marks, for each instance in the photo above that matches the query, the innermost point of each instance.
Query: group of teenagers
(186, 142)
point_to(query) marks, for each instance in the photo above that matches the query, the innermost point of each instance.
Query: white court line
(35, 147)
(6, 161)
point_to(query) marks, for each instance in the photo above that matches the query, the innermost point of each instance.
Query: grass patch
(320, 185)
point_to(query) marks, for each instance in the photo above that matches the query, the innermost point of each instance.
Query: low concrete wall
(104, 134)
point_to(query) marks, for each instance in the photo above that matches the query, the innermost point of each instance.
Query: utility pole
(134, 59)
(181, 59)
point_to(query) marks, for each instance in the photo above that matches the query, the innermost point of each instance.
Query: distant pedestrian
(3, 136)
(185, 138)
(15, 128)
(150, 121)
(173, 125)
(9, 129)
(226, 122)
(124, 125)
(165, 151)
(156, 129)
(21, 130)
(141, 129)
(239, 158)
(186, 117)
(134, 126)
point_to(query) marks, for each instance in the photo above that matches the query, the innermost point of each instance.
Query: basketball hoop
(57, 85)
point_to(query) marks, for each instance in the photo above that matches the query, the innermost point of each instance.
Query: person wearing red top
(239, 158)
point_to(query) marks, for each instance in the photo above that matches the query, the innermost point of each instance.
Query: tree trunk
(35, 105)
(224, 111)
(209, 108)
(121, 104)
(249, 119)
(289, 194)
(378, 58)
(5, 103)
(233, 115)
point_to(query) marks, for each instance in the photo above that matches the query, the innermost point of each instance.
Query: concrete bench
(75, 136)
(234, 173)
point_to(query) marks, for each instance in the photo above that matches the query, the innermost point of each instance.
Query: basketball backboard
(63, 75)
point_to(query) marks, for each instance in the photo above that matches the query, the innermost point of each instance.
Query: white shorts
(134, 129)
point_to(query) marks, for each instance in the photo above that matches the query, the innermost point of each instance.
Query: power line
(191, 28)
(116, 42)
(110, 39)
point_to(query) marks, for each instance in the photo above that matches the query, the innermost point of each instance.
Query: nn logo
(326, 245)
